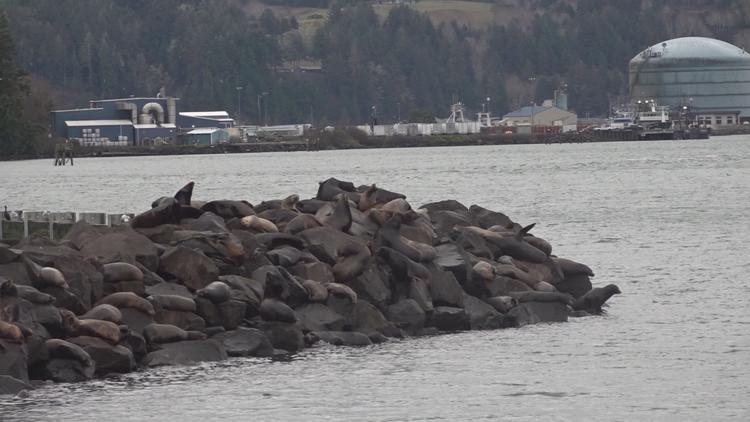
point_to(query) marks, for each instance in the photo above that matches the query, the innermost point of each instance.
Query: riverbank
(186, 282)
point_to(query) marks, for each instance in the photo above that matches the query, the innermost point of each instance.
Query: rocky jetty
(190, 281)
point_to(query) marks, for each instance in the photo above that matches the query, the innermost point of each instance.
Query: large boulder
(446, 318)
(480, 313)
(445, 290)
(108, 358)
(188, 321)
(576, 285)
(135, 319)
(318, 317)
(318, 271)
(407, 314)
(10, 385)
(420, 292)
(194, 269)
(498, 286)
(344, 338)
(67, 370)
(536, 312)
(372, 285)
(13, 361)
(166, 288)
(245, 342)
(368, 319)
(284, 336)
(114, 244)
(450, 258)
(186, 352)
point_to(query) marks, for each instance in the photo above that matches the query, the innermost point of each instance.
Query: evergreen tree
(13, 89)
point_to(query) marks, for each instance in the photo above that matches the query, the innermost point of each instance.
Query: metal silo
(706, 74)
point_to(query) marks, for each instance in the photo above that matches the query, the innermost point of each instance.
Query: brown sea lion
(534, 296)
(128, 300)
(44, 276)
(10, 332)
(172, 303)
(165, 333)
(543, 286)
(342, 290)
(502, 304)
(104, 312)
(289, 202)
(258, 224)
(105, 330)
(592, 301)
(121, 271)
(316, 292)
(539, 243)
(62, 349)
(336, 215)
(216, 292)
(34, 296)
(484, 270)
(570, 267)
(301, 223)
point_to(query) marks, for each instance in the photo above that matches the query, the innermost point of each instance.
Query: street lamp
(239, 103)
(258, 97)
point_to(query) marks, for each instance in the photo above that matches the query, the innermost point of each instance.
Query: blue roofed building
(546, 115)
(132, 121)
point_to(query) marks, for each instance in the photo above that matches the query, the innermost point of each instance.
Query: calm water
(667, 221)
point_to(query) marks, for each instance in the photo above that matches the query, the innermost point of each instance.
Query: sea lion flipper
(524, 231)
(185, 195)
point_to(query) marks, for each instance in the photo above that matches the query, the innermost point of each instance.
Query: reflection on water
(667, 221)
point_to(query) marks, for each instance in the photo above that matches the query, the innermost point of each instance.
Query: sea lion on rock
(389, 235)
(543, 286)
(165, 333)
(342, 290)
(10, 332)
(404, 268)
(289, 202)
(44, 276)
(351, 261)
(104, 312)
(128, 300)
(374, 196)
(503, 304)
(570, 267)
(121, 271)
(592, 301)
(217, 292)
(172, 303)
(105, 330)
(484, 270)
(328, 189)
(166, 211)
(336, 215)
(301, 223)
(316, 292)
(62, 349)
(309, 206)
(539, 243)
(258, 224)
(34, 296)
(227, 209)
(272, 308)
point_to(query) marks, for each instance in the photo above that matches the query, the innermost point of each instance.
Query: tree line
(217, 56)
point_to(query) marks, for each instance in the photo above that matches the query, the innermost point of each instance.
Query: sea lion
(8, 254)
(172, 303)
(62, 349)
(121, 271)
(405, 269)
(510, 243)
(166, 211)
(539, 243)
(34, 296)
(336, 215)
(104, 312)
(592, 301)
(351, 261)
(484, 270)
(227, 209)
(502, 304)
(44, 276)
(301, 223)
(389, 235)
(396, 206)
(217, 292)
(316, 292)
(373, 196)
(309, 206)
(327, 190)
(279, 216)
(289, 202)
(128, 300)
(165, 333)
(543, 286)
(275, 310)
(184, 196)
(342, 290)
(258, 224)
(105, 330)
(570, 267)
(10, 332)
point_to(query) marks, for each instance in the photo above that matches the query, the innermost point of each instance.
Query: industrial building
(132, 121)
(709, 77)
(546, 115)
(206, 136)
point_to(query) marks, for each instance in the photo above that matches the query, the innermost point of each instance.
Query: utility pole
(239, 103)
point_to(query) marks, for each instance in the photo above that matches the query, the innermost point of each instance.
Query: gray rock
(194, 269)
(536, 312)
(294, 294)
(498, 286)
(450, 258)
(67, 370)
(407, 314)
(446, 318)
(231, 313)
(113, 244)
(576, 285)
(135, 319)
(186, 352)
(318, 317)
(108, 358)
(188, 321)
(284, 336)
(419, 291)
(318, 271)
(208, 311)
(368, 319)
(344, 338)
(372, 285)
(13, 361)
(480, 313)
(168, 289)
(445, 290)
(136, 343)
(245, 342)
(10, 385)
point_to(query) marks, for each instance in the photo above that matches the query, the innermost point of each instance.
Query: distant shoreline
(333, 143)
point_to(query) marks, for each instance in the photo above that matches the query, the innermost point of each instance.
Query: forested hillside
(304, 61)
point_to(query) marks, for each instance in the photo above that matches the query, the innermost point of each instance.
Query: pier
(53, 225)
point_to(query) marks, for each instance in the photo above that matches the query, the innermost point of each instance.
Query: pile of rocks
(190, 281)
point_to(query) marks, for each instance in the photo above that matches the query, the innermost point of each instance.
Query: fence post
(25, 225)
(51, 227)
(1, 228)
